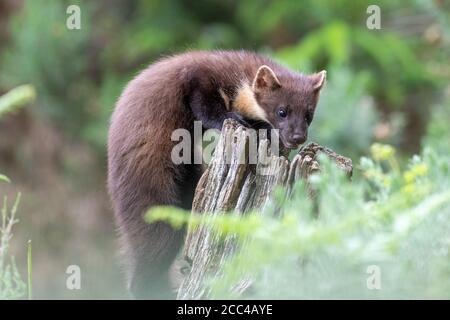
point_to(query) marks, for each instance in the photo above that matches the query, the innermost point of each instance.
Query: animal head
(288, 101)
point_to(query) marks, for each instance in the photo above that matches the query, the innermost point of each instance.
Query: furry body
(171, 94)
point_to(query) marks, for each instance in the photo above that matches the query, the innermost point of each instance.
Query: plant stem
(30, 266)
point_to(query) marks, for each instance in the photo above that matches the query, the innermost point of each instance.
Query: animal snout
(298, 139)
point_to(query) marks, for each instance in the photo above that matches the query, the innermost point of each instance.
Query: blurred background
(383, 85)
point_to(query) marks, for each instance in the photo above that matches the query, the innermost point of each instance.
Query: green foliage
(80, 73)
(11, 284)
(394, 68)
(16, 98)
(329, 45)
(52, 58)
(30, 271)
(4, 178)
(392, 216)
(354, 114)
(96, 127)
(393, 77)
(437, 133)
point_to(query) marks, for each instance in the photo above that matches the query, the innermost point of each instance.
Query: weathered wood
(230, 183)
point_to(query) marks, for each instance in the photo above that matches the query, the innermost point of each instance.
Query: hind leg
(154, 247)
(152, 258)
(149, 249)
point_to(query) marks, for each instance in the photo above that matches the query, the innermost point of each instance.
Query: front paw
(238, 118)
(259, 124)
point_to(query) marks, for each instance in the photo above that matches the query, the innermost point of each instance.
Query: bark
(235, 182)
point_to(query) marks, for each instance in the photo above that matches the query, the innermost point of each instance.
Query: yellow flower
(418, 170)
(408, 189)
(409, 176)
(382, 152)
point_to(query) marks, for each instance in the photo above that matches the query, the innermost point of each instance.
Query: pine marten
(172, 93)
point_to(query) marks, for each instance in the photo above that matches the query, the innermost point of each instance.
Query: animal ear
(265, 79)
(319, 80)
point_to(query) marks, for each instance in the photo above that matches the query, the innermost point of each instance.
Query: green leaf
(4, 178)
(16, 99)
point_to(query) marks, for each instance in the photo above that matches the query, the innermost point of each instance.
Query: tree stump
(231, 183)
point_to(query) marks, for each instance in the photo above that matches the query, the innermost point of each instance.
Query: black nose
(298, 138)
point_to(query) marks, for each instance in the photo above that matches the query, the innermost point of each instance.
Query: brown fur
(164, 97)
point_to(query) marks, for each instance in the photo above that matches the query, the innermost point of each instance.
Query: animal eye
(282, 113)
(308, 117)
